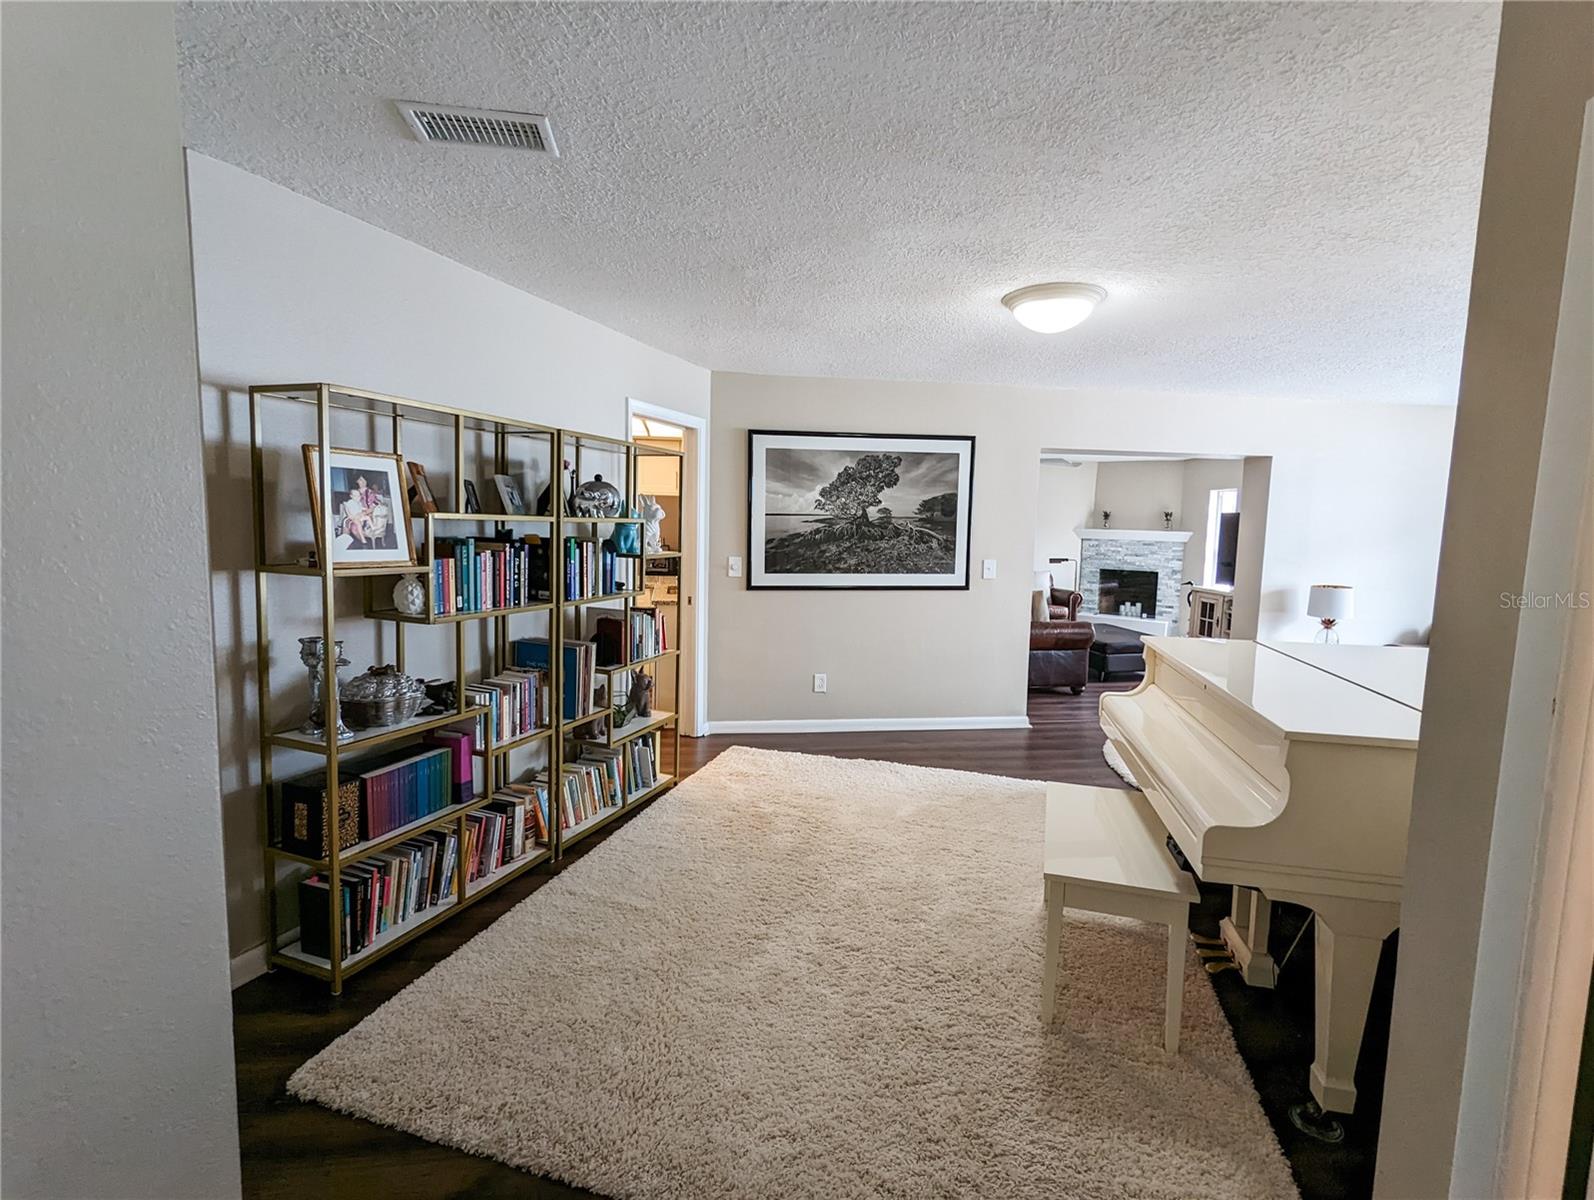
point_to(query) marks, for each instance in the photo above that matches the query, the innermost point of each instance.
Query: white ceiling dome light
(1053, 307)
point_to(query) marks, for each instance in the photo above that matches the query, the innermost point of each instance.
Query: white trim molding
(868, 725)
(251, 964)
(1135, 535)
(697, 720)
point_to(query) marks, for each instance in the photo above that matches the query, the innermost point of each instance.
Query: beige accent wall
(1544, 77)
(1138, 493)
(1356, 491)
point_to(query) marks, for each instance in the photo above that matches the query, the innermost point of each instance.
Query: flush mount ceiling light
(1053, 307)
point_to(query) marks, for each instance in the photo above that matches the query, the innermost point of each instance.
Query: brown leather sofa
(1059, 649)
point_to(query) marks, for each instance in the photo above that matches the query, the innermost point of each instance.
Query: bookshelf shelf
(483, 884)
(292, 739)
(608, 596)
(388, 614)
(293, 955)
(569, 837)
(587, 719)
(493, 518)
(616, 668)
(482, 446)
(525, 739)
(634, 729)
(338, 572)
(388, 840)
(664, 783)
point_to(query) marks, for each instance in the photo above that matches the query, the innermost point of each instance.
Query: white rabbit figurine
(651, 513)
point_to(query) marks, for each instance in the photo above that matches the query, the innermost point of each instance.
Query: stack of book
(587, 789)
(516, 702)
(591, 568)
(409, 787)
(641, 762)
(470, 576)
(532, 794)
(378, 893)
(647, 634)
(379, 794)
(580, 671)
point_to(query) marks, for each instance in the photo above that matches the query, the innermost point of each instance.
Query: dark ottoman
(1116, 653)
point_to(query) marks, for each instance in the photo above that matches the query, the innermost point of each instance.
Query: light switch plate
(734, 567)
(988, 569)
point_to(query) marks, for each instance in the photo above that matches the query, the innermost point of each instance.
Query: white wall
(1440, 1131)
(117, 1026)
(1067, 493)
(1356, 493)
(290, 290)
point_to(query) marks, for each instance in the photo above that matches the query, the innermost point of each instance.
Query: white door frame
(697, 719)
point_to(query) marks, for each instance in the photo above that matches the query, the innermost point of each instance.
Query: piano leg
(1349, 940)
(1054, 934)
(1245, 931)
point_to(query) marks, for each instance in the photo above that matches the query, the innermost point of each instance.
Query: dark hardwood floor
(297, 1150)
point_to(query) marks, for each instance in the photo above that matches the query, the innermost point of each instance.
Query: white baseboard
(868, 725)
(251, 964)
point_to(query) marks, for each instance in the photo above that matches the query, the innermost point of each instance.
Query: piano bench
(1106, 853)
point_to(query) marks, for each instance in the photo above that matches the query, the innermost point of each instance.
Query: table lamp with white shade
(1331, 603)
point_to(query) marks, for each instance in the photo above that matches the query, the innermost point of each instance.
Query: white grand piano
(1285, 770)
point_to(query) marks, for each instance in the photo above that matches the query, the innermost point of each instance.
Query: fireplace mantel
(1136, 535)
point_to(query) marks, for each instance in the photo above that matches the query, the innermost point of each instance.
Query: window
(1218, 569)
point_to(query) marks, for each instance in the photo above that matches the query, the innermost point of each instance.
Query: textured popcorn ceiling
(1280, 199)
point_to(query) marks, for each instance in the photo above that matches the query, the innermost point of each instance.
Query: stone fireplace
(1122, 566)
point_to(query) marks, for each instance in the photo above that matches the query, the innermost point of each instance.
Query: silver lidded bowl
(596, 498)
(382, 696)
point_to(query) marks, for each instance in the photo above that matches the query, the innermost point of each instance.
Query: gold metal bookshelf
(483, 441)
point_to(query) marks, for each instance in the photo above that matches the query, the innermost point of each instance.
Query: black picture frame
(758, 579)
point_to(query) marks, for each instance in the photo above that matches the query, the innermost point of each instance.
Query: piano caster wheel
(1321, 1126)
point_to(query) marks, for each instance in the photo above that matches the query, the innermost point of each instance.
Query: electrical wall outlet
(988, 569)
(733, 566)
(821, 683)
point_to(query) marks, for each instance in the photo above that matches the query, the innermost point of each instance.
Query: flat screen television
(1228, 545)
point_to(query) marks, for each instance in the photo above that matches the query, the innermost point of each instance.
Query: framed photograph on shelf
(510, 498)
(421, 498)
(472, 504)
(366, 519)
(856, 510)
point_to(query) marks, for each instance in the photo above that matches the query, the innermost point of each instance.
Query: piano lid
(1304, 702)
(1398, 672)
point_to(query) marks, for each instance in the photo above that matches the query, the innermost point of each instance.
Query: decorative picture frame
(422, 499)
(511, 500)
(369, 529)
(472, 503)
(858, 511)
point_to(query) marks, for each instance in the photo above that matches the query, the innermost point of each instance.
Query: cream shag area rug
(814, 977)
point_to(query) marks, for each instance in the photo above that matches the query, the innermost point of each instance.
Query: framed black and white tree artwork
(855, 510)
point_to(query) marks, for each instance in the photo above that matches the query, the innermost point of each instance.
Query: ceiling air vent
(479, 127)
